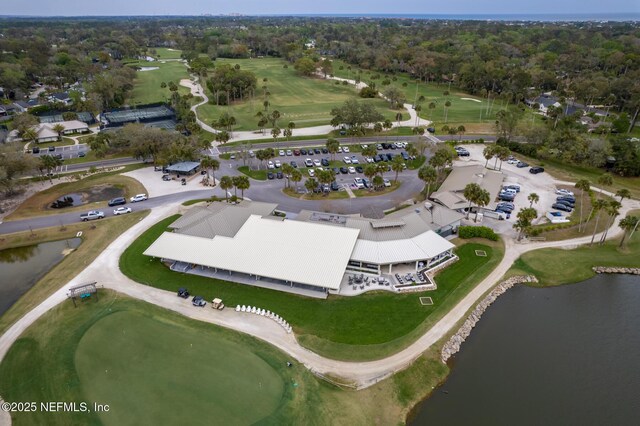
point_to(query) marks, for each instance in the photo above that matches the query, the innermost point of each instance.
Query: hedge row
(477, 232)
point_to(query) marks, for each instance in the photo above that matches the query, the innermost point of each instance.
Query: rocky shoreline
(615, 270)
(453, 344)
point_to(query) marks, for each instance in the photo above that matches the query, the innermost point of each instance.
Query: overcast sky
(275, 7)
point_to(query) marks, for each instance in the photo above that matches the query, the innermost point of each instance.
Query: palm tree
(399, 118)
(503, 155)
(275, 115)
(296, 176)
(212, 164)
(598, 206)
(482, 200)
(525, 216)
(461, 129)
(471, 193)
(58, 128)
(605, 180)
(447, 104)
(290, 127)
(397, 165)
(533, 199)
(49, 163)
(332, 146)
(370, 170)
(377, 128)
(428, 175)
(286, 171)
(243, 183)
(432, 106)
(275, 132)
(387, 125)
(311, 184)
(613, 210)
(417, 109)
(226, 183)
(235, 180)
(584, 186)
(29, 135)
(623, 193)
(488, 152)
(628, 224)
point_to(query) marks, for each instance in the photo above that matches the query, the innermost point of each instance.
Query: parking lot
(541, 183)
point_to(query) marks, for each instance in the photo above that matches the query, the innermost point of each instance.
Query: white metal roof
(420, 247)
(302, 252)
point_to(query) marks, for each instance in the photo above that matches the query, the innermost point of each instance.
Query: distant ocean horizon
(506, 17)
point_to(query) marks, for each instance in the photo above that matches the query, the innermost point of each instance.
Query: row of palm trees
(497, 152)
(240, 182)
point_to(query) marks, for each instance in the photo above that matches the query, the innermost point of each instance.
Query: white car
(387, 183)
(121, 210)
(513, 161)
(365, 146)
(354, 160)
(271, 165)
(368, 159)
(278, 164)
(564, 192)
(308, 162)
(347, 160)
(139, 197)
(312, 173)
(281, 153)
(345, 149)
(317, 163)
(289, 153)
(352, 170)
(359, 183)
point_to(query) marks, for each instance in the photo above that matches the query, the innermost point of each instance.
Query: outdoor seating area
(265, 313)
(360, 281)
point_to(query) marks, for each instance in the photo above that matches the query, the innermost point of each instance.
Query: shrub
(467, 232)
(368, 92)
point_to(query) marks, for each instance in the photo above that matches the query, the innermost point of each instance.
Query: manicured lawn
(384, 190)
(305, 101)
(90, 156)
(165, 53)
(340, 327)
(254, 174)
(333, 195)
(557, 266)
(38, 204)
(147, 88)
(151, 366)
(96, 236)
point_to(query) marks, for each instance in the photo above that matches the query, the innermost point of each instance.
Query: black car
(377, 158)
(183, 292)
(279, 175)
(344, 170)
(385, 146)
(359, 169)
(505, 207)
(566, 198)
(563, 207)
(52, 148)
(294, 164)
(405, 156)
(198, 301)
(59, 157)
(522, 164)
(303, 151)
(317, 150)
(336, 170)
(536, 170)
(325, 150)
(117, 202)
(506, 196)
(389, 157)
(431, 129)
(310, 152)
(270, 176)
(393, 146)
(35, 150)
(324, 162)
(82, 154)
(566, 203)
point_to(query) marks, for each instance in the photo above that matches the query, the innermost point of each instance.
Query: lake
(559, 355)
(22, 267)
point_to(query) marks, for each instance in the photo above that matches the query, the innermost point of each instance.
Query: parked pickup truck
(93, 214)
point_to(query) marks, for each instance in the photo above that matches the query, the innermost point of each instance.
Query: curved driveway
(105, 270)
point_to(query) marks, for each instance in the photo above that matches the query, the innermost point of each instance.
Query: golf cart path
(104, 269)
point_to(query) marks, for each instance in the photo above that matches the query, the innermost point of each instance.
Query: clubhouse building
(309, 254)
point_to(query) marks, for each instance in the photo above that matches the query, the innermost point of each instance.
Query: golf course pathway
(106, 272)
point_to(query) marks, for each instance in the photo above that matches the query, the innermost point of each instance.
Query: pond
(561, 355)
(22, 267)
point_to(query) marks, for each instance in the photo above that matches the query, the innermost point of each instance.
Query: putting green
(154, 371)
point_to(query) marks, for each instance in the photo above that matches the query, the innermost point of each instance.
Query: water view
(563, 355)
(22, 267)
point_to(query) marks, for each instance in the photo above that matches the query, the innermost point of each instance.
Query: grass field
(96, 236)
(147, 88)
(465, 109)
(386, 190)
(303, 100)
(164, 53)
(252, 173)
(38, 204)
(185, 370)
(333, 195)
(339, 327)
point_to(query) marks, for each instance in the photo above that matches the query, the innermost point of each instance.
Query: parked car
(308, 162)
(317, 163)
(316, 150)
(289, 153)
(389, 157)
(279, 175)
(59, 157)
(324, 150)
(117, 201)
(405, 156)
(379, 146)
(278, 164)
(312, 173)
(293, 164)
(183, 292)
(303, 151)
(431, 129)
(563, 191)
(309, 151)
(462, 153)
(566, 198)
(270, 175)
(563, 207)
(387, 183)
(324, 162)
(504, 207)
(513, 186)
(352, 170)
(166, 178)
(139, 197)
(81, 154)
(358, 183)
(281, 153)
(359, 169)
(513, 161)
(296, 152)
(251, 153)
(536, 170)
(505, 196)
(566, 203)
(345, 149)
(91, 215)
(35, 150)
(199, 301)
(522, 164)
(347, 160)
(354, 160)
(51, 148)
(377, 158)
(344, 170)
(121, 210)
